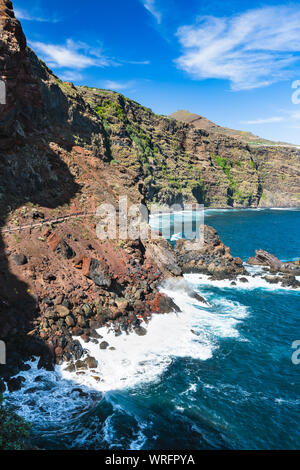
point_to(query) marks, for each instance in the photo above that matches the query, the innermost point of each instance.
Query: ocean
(217, 376)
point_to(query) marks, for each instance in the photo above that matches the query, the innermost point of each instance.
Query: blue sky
(232, 61)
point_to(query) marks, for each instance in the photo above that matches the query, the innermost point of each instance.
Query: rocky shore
(284, 273)
(66, 150)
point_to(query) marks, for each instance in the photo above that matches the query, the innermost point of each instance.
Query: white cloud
(112, 85)
(135, 62)
(24, 15)
(251, 50)
(75, 55)
(71, 76)
(264, 121)
(152, 8)
(287, 115)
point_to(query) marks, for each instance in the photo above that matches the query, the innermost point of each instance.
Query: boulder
(60, 246)
(20, 259)
(263, 258)
(196, 296)
(81, 365)
(62, 311)
(70, 368)
(167, 305)
(104, 345)
(140, 331)
(15, 383)
(92, 269)
(70, 321)
(91, 362)
(208, 256)
(160, 251)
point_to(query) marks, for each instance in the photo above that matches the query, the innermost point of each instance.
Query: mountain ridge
(247, 137)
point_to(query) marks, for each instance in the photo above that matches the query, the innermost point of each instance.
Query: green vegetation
(13, 430)
(226, 166)
(109, 108)
(264, 197)
(234, 194)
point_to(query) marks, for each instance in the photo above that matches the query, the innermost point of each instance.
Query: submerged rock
(196, 296)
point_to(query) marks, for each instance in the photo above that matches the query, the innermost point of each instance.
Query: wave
(253, 282)
(49, 400)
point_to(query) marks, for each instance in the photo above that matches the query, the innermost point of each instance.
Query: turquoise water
(228, 384)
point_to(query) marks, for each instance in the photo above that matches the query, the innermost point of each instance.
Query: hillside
(201, 122)
(63, 151)
(179, 163)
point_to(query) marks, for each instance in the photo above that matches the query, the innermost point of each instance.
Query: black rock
(140, 331)
(196, 296)
(15, 383)
(20, 259)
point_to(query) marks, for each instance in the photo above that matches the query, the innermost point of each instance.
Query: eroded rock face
(212, 257)
(161, 253)
(263, 258)
(23, 98)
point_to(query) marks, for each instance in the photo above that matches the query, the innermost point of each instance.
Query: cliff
(64, 150)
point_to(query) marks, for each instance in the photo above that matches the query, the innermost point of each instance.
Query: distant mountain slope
(201, 122)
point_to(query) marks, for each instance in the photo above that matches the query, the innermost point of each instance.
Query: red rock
(79, 150)
(59, 351)
(53, 241)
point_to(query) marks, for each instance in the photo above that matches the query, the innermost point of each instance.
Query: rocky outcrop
(208, 256)
(160, 253)
(263, 258)
(23, 98)
(182, 164)
(65, 150)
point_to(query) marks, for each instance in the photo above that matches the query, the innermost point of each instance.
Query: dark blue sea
(212, 377)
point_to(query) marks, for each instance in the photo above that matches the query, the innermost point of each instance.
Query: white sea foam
(194, 332)
(254, 282)
(54, 400)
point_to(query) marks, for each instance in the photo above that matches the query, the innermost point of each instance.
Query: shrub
(13, 430)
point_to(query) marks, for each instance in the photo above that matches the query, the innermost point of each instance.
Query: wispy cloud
(251, 50)
(71, 76)
(151, 6)
(135, 62)
(24, 15)
(113, 85)
(288, 116)
(74, 55)
(269, 120)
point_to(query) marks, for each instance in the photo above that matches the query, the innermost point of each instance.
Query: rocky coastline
(66, 150)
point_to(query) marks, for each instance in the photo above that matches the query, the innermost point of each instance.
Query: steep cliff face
(200, 122)
(23, 100)
(180, 163)
(64, 150)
